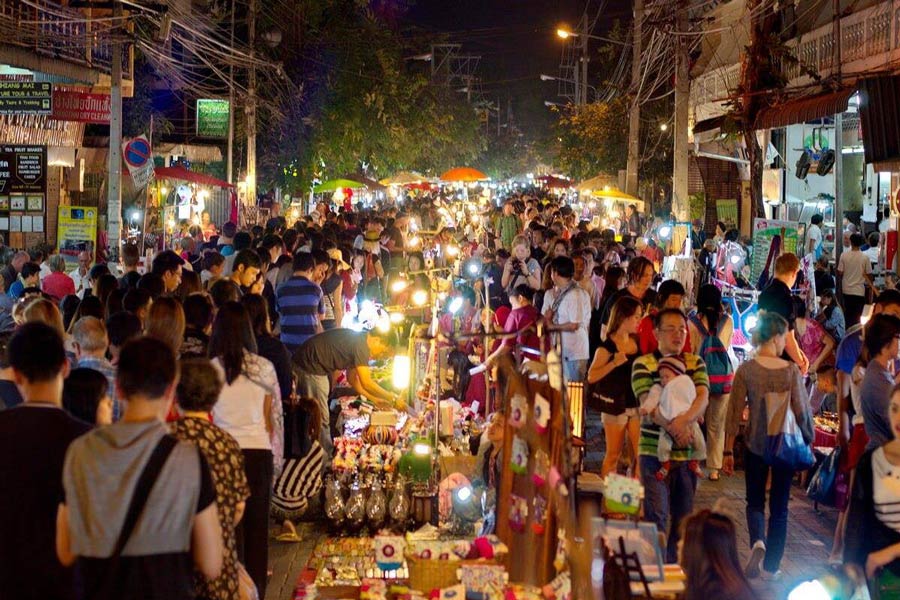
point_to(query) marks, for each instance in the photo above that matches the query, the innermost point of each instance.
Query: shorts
(622, 419)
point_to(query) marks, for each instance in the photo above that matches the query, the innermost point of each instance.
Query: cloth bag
(785, 446)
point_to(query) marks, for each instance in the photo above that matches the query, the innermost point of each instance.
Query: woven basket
(426, 574)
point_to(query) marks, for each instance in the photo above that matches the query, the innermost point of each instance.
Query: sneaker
(766, 576)
(754, 563)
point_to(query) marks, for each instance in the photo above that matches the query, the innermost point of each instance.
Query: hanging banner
(139, 159)
(81, 107)
(76, 230)
(727, 211)
(765, 231)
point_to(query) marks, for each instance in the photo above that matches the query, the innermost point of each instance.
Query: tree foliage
(360, 106)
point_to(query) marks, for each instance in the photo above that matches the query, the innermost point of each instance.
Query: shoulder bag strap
(142, 490)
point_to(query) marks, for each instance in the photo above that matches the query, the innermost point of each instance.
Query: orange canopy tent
(465, 174)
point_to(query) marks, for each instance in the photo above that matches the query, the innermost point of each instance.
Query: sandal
(714, 475)
(289, 534)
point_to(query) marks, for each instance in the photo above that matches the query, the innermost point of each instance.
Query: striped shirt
(299, 302)
(644, 375)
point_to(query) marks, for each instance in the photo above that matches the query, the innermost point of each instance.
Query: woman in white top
(249, 408)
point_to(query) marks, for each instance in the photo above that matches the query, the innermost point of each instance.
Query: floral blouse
(226, 464)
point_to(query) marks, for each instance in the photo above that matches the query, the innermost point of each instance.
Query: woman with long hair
(711, 319)
(165, 321)
(710, 560)
(249, 408)
(640, 278)
(769, 385)
(268, 345)
(611, 400)
(831, 315)
(105, 285)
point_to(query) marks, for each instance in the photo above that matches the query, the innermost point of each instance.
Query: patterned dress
(226, 463)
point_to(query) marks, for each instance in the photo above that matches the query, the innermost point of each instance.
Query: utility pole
(680, 202)
(634, 113)
(229, 166)
(577, 83)
(250, 110)
(839, 139)
(585, 59)
(114, 185)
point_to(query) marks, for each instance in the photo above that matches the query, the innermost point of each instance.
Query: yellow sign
(77, 230)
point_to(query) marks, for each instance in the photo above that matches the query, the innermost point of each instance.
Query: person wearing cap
(673, 396)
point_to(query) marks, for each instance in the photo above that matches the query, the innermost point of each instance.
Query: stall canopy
(337, 184)
(368, 182)
(404, 178)
(615, 195)
(465, 174)
(552, 181)
(182, 174)
(596, 183)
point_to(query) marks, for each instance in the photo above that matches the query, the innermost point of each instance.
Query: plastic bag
(823, 484)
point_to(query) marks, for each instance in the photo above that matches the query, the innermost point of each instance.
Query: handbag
(110, 586)
(823, 484)
(785, 446)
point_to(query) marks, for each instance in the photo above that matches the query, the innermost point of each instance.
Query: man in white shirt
(855, 270)
(81, 274)
(567, 309)
(814, 236)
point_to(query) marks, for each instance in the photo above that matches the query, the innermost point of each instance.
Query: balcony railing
(55, 31)
(870, 41)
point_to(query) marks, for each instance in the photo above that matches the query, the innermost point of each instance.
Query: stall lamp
(750, 323)
(735, 259)
(414, 242)
(452, 250)
(665, 232)
(397, 318)
(399, 285)
(455, 305)
(421, 449)
(171, 223)
(473, 269)
(135, 216)
(420, 297)
(163, 191)
(402, 370)
(810, 590)
(383, 325)
(464, 493)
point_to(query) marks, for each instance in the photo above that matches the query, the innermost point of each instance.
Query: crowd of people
(157, 418)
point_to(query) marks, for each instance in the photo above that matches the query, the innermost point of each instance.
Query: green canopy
(336, 184)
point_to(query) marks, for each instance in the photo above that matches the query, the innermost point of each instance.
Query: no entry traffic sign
(137, 152)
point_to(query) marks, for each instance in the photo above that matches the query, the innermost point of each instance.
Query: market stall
(179, 199)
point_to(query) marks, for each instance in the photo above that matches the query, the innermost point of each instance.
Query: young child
(674, 395)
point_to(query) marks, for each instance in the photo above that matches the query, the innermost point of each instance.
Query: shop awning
(880, 116)
(182, 174)
(802, 110)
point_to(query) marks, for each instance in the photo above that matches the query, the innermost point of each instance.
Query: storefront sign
(212, 118)
(77, 230)
(765, 231)
(26, 98)
(23, 169)
(81, 107)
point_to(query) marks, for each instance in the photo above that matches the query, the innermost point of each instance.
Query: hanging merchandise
(518, 513)
(541, 413)
(519, 459)
(518, 411)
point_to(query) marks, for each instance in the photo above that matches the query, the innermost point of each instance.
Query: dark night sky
(517, 42)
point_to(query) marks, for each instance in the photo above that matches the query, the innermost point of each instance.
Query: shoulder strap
(142, 490)
(695, 319)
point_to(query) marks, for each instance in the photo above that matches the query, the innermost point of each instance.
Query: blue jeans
(757, 471)
(575, 370)
(674, 495)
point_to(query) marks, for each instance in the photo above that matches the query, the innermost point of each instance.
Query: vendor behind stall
(335, 350)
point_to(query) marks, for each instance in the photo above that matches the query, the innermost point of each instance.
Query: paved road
(808, 544)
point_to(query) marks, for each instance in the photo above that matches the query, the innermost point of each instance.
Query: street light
(547, 77)
(566, 34)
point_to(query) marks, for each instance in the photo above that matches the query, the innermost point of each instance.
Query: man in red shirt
(57, 284)
(522, 315)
